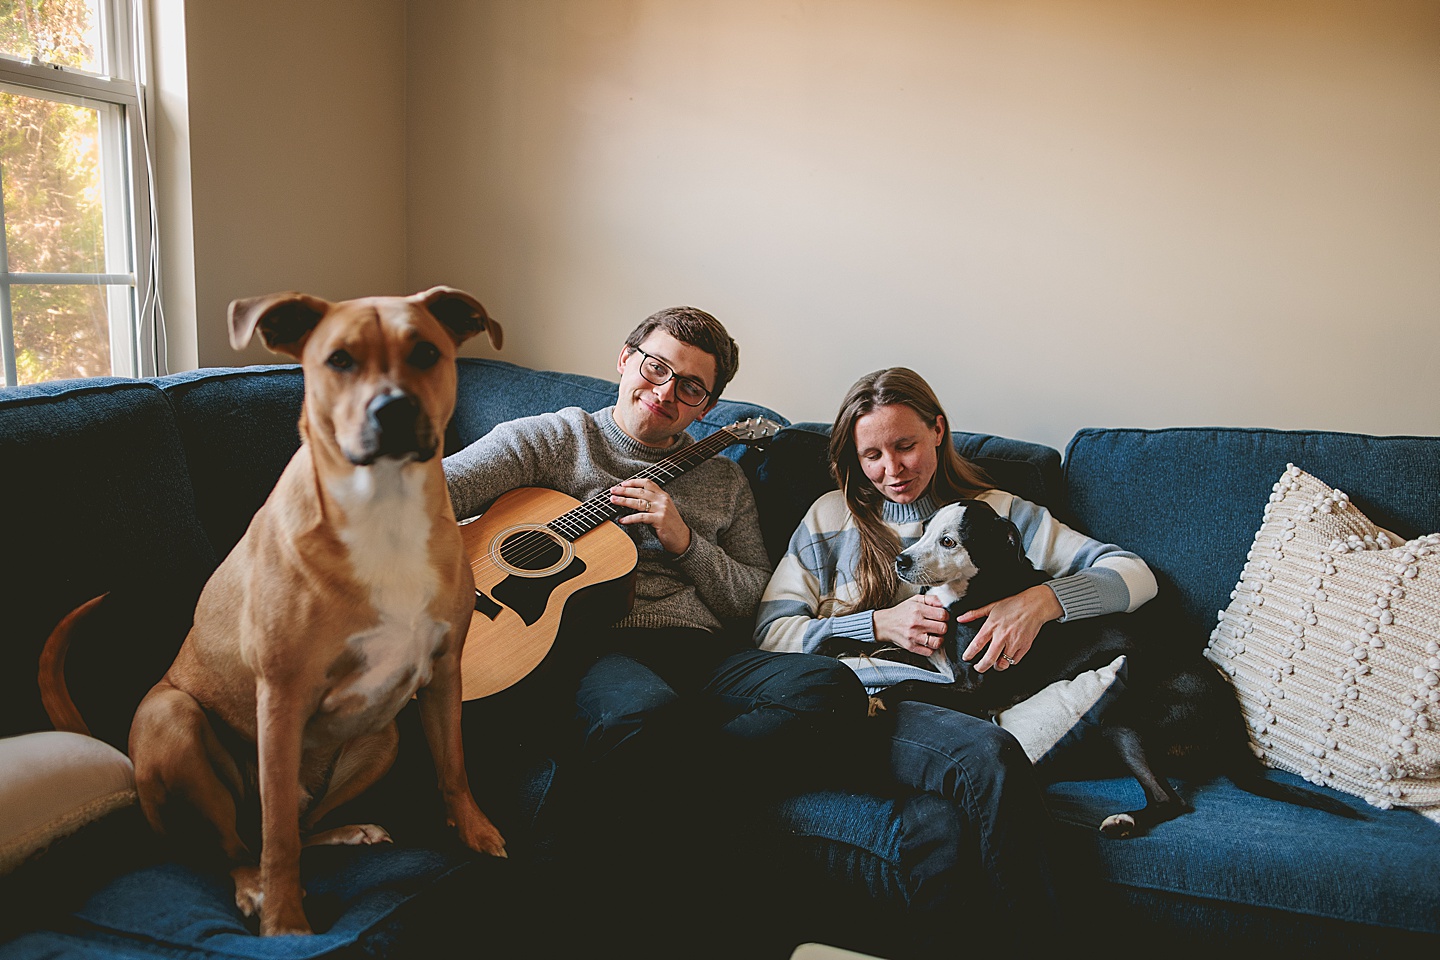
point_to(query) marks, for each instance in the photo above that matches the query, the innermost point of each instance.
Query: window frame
(119, 92)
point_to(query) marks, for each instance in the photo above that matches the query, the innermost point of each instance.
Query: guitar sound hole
(531, 550)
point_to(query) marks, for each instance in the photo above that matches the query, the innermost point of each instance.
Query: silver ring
(1007, 660)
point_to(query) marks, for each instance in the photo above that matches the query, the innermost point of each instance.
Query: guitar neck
(598, 508)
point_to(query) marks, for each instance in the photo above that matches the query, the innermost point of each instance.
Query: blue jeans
(982, 771)
(688, 698)
(682, 734)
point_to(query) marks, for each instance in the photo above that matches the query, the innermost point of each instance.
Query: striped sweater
(813, 584)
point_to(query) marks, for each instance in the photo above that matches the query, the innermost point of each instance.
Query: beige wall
(1062, 212)
(296, 154)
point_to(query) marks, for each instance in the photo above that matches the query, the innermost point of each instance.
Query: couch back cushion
(493, 391)
(239, 427)
(793, 471)
(1189, 499)
(97, 499)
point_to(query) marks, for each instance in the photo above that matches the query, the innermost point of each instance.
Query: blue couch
(139, 487)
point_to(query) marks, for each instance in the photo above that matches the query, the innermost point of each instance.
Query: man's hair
(699, 329)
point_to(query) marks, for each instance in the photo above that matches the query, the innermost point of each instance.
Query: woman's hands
(917, 624)
(1010, 626)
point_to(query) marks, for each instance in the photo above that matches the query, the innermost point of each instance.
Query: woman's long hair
(955, 477)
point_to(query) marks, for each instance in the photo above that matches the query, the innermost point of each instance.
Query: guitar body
(525, 576)
(539, 555)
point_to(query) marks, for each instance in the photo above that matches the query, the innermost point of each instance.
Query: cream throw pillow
(51, 785)
(1332, 639)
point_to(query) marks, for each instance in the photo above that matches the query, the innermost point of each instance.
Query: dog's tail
(1253, 780)
(1245, 768)
(54, 693)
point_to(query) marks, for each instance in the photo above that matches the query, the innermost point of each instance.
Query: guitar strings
(533, 544)
(529, 545)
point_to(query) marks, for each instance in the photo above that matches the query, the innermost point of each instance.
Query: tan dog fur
(348, 594)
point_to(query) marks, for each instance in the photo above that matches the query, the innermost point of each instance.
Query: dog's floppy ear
(285, 320)
(999, 533)
(460, 314)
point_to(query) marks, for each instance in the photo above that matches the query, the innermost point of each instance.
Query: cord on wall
(151, 308)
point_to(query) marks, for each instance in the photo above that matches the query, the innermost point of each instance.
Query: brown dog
(348, 594)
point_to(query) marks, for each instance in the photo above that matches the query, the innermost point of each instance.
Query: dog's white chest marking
(387, 530)
(950, 591)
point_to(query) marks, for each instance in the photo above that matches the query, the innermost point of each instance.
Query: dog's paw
(1117, 826)
(479, 834)
(248, 894)
(876, 707)
(250, 899)
(354, 834)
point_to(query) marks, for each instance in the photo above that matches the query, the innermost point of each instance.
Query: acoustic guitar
(534, 549)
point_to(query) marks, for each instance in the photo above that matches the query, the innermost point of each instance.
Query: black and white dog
(1174, 705)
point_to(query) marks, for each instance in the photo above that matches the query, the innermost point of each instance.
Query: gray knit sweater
(720, 577)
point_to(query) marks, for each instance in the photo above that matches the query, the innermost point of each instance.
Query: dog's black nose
(903, 562)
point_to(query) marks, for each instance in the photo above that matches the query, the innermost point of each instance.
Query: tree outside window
(70, 146)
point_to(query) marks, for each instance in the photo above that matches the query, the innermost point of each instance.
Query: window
(77, 276)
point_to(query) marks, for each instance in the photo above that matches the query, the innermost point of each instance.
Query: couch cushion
(98, 499)
(493, 391)
(1238, 859)
(1188, 499)
(239, 427)
(793, 471)
(415, 897)
(353, 895)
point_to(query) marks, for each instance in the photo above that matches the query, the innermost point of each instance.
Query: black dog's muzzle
(903, 563)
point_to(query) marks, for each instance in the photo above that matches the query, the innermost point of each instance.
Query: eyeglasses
(688, 390)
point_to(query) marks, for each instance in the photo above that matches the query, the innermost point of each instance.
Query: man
(667, 694)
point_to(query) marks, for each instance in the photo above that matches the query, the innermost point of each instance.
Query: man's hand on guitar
(652, 505)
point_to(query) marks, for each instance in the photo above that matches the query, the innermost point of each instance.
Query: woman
(891, 454)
